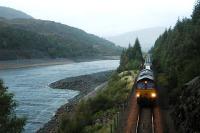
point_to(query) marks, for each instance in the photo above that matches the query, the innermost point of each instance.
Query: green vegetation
(176, 57)
(131, 58)
(187, 107)
(176, 51)
(31, 38)
(9, 122)
(96, 114)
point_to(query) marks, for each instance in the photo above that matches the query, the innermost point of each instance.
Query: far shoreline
(26, 63)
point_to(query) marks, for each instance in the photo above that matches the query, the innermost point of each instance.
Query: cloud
(105, 17)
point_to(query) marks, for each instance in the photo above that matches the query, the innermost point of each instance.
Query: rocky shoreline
(85, 84)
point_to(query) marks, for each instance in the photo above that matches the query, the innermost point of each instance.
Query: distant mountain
(10, 13)
(146, 37)
(31, 38)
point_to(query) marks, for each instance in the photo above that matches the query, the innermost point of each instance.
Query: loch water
(36, 101)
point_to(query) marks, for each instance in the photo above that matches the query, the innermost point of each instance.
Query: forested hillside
(177, 51)
(131, 58)
(31, 38)
(176, 57)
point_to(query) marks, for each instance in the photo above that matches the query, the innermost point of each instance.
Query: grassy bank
(95, 114)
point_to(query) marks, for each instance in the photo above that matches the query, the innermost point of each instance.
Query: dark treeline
(31, 38)
(176, 55)
(177, 51)
(9, 122)
(131, 58)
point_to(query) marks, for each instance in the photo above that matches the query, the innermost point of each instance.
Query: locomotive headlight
(137, 95)
(153, 95)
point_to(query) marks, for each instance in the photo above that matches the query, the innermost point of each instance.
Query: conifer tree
(131, 58)
(137, 50)
(196, 12)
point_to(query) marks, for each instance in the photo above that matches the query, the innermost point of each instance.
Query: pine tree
(137, 50)
(131, 58)
(196, 12)
(9, 122)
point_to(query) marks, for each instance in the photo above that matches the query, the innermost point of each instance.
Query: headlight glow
(153, 95)
(137, 95)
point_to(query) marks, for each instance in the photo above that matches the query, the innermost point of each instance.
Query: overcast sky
(106, 17)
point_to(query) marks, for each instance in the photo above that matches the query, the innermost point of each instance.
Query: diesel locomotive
(146, 91)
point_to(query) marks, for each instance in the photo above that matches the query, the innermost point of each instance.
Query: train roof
(145, 74)
(145, 70)
(145, 77)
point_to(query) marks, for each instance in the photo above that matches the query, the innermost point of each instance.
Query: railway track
(145, 121)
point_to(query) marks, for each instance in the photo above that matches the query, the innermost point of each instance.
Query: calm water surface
(36, 101)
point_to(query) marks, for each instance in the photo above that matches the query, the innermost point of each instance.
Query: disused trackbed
(145, 122)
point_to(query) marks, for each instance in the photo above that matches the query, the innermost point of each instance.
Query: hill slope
(9, 13)
(31, 38)
(146, 36)
(176, 51)
(176, 57)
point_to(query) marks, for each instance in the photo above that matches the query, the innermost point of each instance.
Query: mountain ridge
(35, 38)
(146, 36)
(10, 13)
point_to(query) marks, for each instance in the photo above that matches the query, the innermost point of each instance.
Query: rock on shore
(85, 84)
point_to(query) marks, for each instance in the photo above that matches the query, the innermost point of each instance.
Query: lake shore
(88, 85)
(14, 64)
(24, 63)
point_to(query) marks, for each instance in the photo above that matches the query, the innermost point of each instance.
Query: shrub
(9, 122)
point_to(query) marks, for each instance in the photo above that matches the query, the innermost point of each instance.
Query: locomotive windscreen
(145, 85)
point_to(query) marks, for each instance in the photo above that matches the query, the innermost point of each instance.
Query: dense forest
(31, 38)
(131, 58)
(176, 55)
(177, 51)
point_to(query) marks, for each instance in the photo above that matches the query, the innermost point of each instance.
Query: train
(146, 92)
